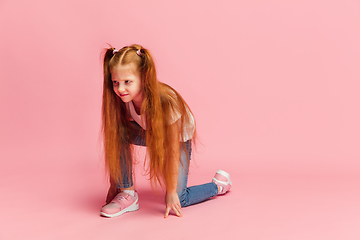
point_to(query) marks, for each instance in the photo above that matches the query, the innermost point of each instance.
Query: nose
(121, 88)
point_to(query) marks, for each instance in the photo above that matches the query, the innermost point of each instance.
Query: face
(127, 83)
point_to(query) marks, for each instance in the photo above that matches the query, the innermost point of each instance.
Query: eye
(115, 83)
(127, 82)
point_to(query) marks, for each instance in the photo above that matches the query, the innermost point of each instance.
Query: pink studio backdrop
(274, 85)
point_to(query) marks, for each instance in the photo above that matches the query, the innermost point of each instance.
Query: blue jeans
(187, 195)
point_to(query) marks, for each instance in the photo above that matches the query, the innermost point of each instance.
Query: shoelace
(123, 197)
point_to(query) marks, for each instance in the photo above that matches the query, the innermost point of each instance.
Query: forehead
(123, 71)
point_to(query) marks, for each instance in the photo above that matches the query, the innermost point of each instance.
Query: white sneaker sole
(132, 207)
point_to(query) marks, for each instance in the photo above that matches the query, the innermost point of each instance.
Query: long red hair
(160, 104)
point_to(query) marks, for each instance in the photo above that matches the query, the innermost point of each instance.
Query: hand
(172, 203)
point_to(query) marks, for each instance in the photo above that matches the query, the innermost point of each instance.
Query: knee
(183, 197)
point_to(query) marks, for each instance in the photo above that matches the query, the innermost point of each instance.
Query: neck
(137, 102)
(137, 105)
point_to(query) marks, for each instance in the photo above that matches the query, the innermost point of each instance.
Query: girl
(138, 109)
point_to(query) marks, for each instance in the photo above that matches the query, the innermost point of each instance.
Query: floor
(65, 204)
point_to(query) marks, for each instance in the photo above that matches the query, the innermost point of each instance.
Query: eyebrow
(121, 80)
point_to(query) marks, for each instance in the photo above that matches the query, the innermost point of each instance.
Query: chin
(126, 100)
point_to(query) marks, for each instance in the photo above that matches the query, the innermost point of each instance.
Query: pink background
(274, 88)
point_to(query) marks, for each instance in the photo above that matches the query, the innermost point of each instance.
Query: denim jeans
(187, 195)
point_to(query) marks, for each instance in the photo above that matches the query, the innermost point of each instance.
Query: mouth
(123, 95)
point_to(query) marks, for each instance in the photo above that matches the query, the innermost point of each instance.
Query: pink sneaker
(222, 179)
(121, 203)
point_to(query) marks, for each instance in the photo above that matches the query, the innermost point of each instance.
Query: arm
(173, 157)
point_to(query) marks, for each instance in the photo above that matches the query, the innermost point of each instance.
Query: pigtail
(155, 124)
(114, 125)
(160, 104)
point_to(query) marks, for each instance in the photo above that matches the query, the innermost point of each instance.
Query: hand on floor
(172, 203)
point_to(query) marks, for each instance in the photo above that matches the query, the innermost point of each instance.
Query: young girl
(139, 110)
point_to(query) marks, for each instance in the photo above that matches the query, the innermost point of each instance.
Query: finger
(167, 212)
(180, 213)
(177, 211)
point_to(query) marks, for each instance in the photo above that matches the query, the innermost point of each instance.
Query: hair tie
(138, 52)
(115, 50)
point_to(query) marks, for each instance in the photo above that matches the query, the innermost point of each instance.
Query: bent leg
(137, 138)
(194, 194)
